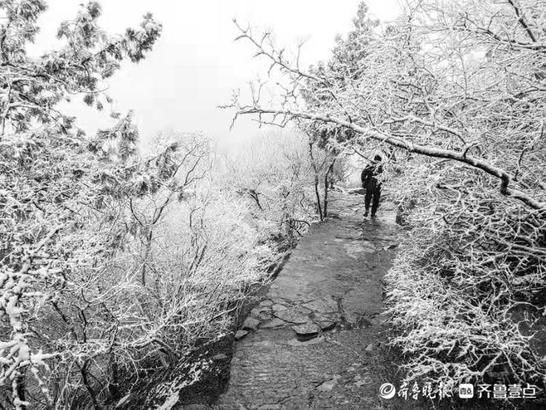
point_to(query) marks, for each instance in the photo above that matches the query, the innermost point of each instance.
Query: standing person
(372, 185)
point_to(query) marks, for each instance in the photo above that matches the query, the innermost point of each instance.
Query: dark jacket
(369, 176)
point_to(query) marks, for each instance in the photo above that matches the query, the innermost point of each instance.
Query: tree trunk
(147, 250)
(21, 389)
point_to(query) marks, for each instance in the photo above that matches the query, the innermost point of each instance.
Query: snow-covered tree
(54, 192)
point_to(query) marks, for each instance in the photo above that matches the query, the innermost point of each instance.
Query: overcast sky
(196, 64)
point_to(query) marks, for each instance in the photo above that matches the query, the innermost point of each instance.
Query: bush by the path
(466, 292)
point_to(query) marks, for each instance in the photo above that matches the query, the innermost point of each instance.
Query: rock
(273, 323)
(303, 310)
(362, 322)
(307, 330)
(351, 317)
(329, 385)
(369, 348)
(389, 247)
(220, 356)
(266, 303)
(326, 325)
(296, 343)
(261, 313)
(278, 307)
(292, 316)
(255, 312)
(322, 305)
(265, 316)
(240, 334)
(251, 323)
(326, 386)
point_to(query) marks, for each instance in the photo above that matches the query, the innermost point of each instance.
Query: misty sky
(196, 64)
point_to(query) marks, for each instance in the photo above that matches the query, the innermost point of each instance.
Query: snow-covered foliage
(273, 174)
(454, 93)
(466, 289)
(210, 249)
(112, 265)
(54, 203)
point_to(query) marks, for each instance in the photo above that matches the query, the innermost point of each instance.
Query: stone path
(312, 342)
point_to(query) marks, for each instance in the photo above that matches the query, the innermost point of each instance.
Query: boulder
(306, 331)
(273, 323)
(322, 305)
(240, 334)
(292, 315)
(251, 323)
(278, 307)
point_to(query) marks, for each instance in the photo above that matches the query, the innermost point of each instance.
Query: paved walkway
(313, 341)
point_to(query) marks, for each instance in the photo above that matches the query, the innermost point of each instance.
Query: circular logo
(387, 391)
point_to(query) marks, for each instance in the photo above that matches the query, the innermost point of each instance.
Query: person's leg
(376, 196)
(367, 200)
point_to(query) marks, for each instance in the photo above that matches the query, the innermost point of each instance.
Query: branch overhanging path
(460, 156)
(342, 92)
